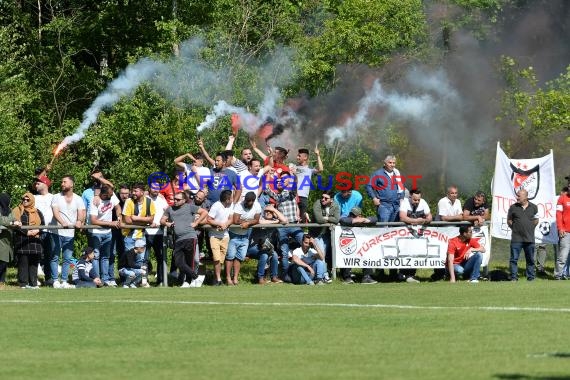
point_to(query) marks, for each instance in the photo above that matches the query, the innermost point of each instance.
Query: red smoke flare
(236, 123)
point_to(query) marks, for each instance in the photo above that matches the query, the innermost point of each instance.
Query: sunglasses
(26, 199)
(326, 198)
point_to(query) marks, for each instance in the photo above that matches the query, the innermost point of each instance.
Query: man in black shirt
(522, 218)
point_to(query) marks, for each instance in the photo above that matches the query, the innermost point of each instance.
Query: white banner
(399, 247)
(536, 175)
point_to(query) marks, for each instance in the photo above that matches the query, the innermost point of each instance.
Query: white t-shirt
(304, 174)
(249, 182)
(103, 212)
(422, 207)
(445, 208)
(245, 216)
(220, 214)
(203, 172)
(43, 203)
(309, 258)
(68, 211)
(160, 204)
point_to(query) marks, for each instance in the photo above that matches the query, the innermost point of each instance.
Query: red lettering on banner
(375, 186)
(503, 203)
(545, 210)
(360, 180)
(344, 179)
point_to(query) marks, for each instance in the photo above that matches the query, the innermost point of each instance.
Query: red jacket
(563, 213)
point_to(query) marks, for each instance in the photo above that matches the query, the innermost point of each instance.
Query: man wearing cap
(304, 174)
(355, 218)
(43, 203)
(130, 269)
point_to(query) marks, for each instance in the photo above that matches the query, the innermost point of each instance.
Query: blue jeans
(102, 246)
(388, 212)
(262, 256)
(63, 244)
(300, 276)
(516, 248)
(284, 233)
(237, 247)
(130, 276)
(470, 267)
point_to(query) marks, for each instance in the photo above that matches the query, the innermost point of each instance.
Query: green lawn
(422, 331)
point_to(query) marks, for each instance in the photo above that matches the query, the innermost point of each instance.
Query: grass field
(403, 331)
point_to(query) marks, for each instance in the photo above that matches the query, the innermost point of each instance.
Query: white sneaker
(65, 285)
(132, 286)
(200, 280)
(474, 281)
(56, 284)
(194, 283)
(412, 280)
(186, 285)
(112, 284)
(125, 286)
(145, 285)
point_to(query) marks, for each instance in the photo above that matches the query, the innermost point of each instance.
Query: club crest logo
(347, 242)
(527, 179)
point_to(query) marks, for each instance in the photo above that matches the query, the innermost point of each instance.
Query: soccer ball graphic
(544, 228)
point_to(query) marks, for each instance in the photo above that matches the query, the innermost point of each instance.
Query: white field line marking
(301, 304)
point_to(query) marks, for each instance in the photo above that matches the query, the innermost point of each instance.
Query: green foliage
(538, 111)
(361, 31)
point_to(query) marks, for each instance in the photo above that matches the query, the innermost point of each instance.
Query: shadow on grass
(518, 376)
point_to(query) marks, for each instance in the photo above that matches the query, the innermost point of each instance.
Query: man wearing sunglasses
(185, 218)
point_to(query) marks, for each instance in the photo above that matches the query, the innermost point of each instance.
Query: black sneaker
(348, 280)
(368, 280)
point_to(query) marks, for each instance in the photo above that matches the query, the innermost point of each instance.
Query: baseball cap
(140, 243)
(356, 211)
(43, 179)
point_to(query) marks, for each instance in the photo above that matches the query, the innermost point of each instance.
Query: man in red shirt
(464, 255)
(563, 225)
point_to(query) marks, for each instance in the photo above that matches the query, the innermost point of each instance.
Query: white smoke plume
(190, 80)
(416, 108)
(124, 85)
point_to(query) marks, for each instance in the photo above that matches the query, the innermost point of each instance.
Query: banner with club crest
(536, 175)
(399, 247)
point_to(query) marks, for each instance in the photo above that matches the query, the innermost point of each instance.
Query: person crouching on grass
(84, 275)
(130, 271)
(464, 256)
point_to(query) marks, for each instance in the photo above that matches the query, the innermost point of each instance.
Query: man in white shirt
(449, 207)
(246, 214)
(220, 218)
(69, 212)
(448, 210)
(415, 212)
(308, 263)
(304, 174)
(101, 214)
